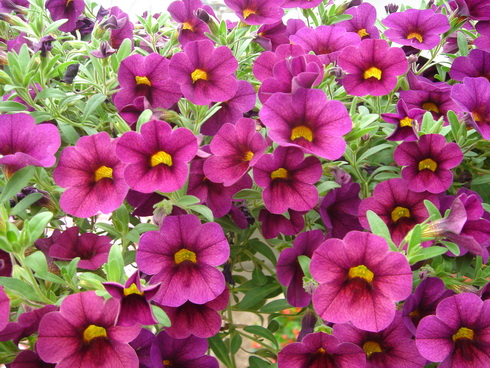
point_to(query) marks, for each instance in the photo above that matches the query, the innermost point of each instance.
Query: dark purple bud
(227, 273)
(337, 72)
(430, 3)
(354, 3)
(412, 59)
(340, 176)
(391, 8)
(308, 323)
(101, 13)
(202, 15)
(110, 23)
(105, 50)
(70, 73)
(44, 45)
(85, 26)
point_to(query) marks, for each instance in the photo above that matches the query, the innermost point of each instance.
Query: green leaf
(144, 117)
(92, 104)
(256, 362)
(427, 253)
(161, 316)
(52, 26)
(20, 287)
(462, 44)
(18, 181)
(37, 262)
(326, 186)
(434, 213)
(203, 210)
(275, 306)
(378, 227)
(11, 106)
(263, 249)
(416, 237)
(50, 93)
(262, 332)
(124, 49)
(37, 224)
(258, 276)
(372, 151)
(219, 349)
(250, 194)
(236, 343)
(26, 203)
(257, 295)
(304, 263)
(187, 200)
(453, 248)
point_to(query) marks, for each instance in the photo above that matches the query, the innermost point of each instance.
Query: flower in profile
(257, 12)
(362, 21)
(123, 29)
(289, 272)
(205, 73)
(44, 45)
(93, 176)
(7, 6)
(192, 28)
(321, 350)
(405, 121)
(270, 36)
(264, 65)
(83, 333)
(23, 143)
(66, 9)
(457, 335)
(308, 120)
(476, 64)
(472, 97)
(473, 9)
(104, 51)
(360, 281)
(146, 76)
(417, 28)
(235, 148)
(373, 67)
(288, 178)
(190, 352)
(390, 347)
(183, 256)
(273, 224)
(157, 159)
(428, 163)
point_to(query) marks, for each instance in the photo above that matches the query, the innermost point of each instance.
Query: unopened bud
(391, 8)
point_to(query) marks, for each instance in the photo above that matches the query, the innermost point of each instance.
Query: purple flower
(405, 121)
(273, 225)
(23, 143)
(474, 9)
(458, 334)
(4, 309)
(421, 29)
(142, 345)
(143, 202)
(7, 6)
(373, 67)
(270, 36)
(193, 28)
(83, 333)
(476, 64)
(5, 264)
(146, 76)
(483, 42)
(44, 45)
(264, 65)
(123, 30)
(257, 12)
(428, 163)
(93, 176)
(66, 9)
(104, 51)
(308, 120)
(289, 272)
(288, 178)
(362, 22)
(360, 281)
(205, 73)
(321, 350)
(183, 256)
(189, 352)
(157, 158)
(16, 43)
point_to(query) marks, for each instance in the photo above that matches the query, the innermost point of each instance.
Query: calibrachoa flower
(263, 67)
(183, 256)
(373, 67)
(270, 36)
(205, 73)
(360, 281)
(288, 178)
(158, 157)
(308, 120)
(273, 225)
(320, 350)
(123, 30)
(483, 42)
(428, 163)
(421, 29)
(4, 309)
(235, 148)
(93, 176)
(83, 334)
(474, 9)
(193, 28)
(405, 121)
(92, 249)
(476, 64)
(142, 345)
(362, 22)
(29, 359)
(257, 12)
(23, 143)
(289, 272)
(458, 334)
(66, 9)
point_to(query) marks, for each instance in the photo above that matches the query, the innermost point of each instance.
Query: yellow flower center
(248, 12)
(68, 2)
(362, 32)
(362, 272)
(249, 155)
(199, 74)
(476, 116)
(414, 314)
(416, 35)
(406, 121)
(103, 172)
(373, 72)
(167, 363)
(92, 332)
(302, 131)
(427, 164)
(188, 26)
(185, 255)
(133, 289)
(464, 333)
(280, 173)
(161, 157)
(371, 347)
(142, 80)
(321, 351)
(430, 106)
(399, 212)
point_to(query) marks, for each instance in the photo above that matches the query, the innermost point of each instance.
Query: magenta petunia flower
(157, 158)
(483, 42)
(420, 29)
(8, 6)
(205, 73)
(183, 256)
(92, 249)
(264, 64)
(373, 67)
(270, 36)
(325, 41)
(472, 97)
(428, 163)
(360, 281)
(4, 309)
(83, 333)
(405, 121)
(193, 28)
(273, 225)
(473, 9)
(289, 272)
(320, 350)
(134, 301)
(66, 9)
(30, 359)
(142, 345)
(399, 207)
(93, 176)
(362, 22)
(391, 347)
(476, 64)
(143, 202)
(257, 12)
(146, 76)
(308, 120)
(189, 352)
(235, 148)
(23, 143)
(288, 178)
(458, 334)
(123, 30)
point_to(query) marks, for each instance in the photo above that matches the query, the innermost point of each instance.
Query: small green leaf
(262, 332)
(236, 343)
(275, 306)
(378, 227)
(250, 194)
(12, 106)
(257, 295)
(304, 263)
(453, 248)
(18, 181)
(263, 249)
(416, 237)
(161, 316)
(462, 44)
(258, 276)
(434, 213)
(256, 362)
(427, 253)
(203, 210)
(219, 349)
(25, 203)
(20, 287)
(144, 117)
(92, 104)
(187, 200)
(37, 224)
